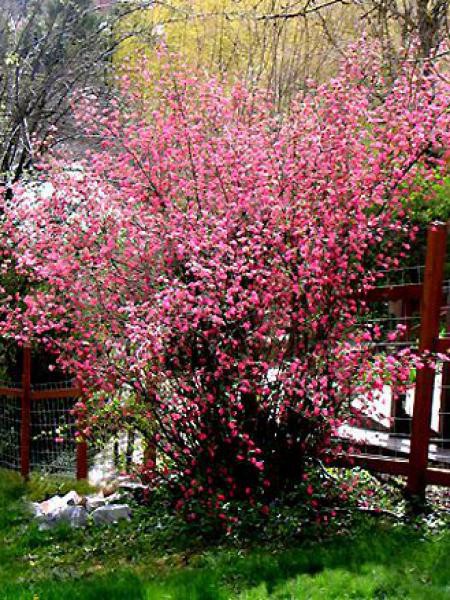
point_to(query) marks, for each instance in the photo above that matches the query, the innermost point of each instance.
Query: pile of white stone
(101, 508)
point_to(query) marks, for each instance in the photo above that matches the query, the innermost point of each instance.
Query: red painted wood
(438, 477)
(429, 332)
(82, 460)
(25, 420)
(408, 291)
(82, 450)
(54, 394)
(7, 391)
(442, 345)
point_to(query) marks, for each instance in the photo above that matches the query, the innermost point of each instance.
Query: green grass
(145, 560)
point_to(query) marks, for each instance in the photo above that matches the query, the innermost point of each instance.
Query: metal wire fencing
(53, 428)
(10, 418)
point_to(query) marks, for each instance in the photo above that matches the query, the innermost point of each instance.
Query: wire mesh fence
(54, 385)
(38, 424)
(401, 275)
(53, 428)
(408, 429)
(10, 412)
(439, 448)
(384, 429)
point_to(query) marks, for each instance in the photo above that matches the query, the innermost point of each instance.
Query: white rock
(118, 498)
(51, 511)
(111, 513)
(74, 509)
(73, 499)
(136, 489)
(93, 502)
(132, 486)
(52, 507)
(75, 516)
(36, 508)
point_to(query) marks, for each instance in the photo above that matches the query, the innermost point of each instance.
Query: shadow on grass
(379, 562)
(375, 560)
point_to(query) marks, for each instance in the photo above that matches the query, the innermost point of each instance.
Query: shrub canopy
(210, 255)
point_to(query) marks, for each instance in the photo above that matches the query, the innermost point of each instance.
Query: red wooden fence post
(429, 332)
(25, 415)
(82, 460)
(82, 453)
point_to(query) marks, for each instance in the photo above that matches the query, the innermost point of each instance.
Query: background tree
(425, 21)
(282, 43)
(247, 40)
(50, 50)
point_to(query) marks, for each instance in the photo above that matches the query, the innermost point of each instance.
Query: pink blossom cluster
(211, 255)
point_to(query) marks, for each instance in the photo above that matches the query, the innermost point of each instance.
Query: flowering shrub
(211, 257)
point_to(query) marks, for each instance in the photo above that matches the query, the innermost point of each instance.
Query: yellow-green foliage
(239, 38)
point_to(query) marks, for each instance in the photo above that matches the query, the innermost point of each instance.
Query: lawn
(372, 558)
